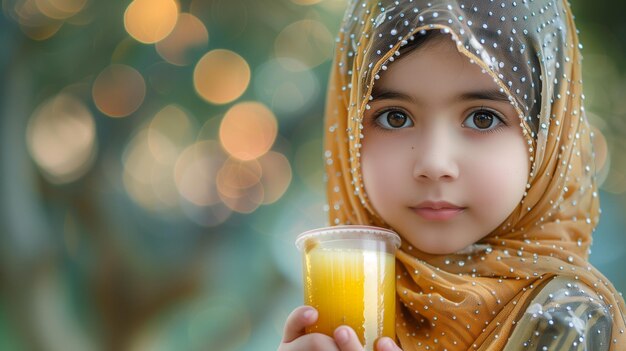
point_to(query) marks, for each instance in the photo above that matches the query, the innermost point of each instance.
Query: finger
(299, 319)
(311, 342)
(347, 339)
(386, 344)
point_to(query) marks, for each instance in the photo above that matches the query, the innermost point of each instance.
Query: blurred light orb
(149, 21)
(306, 41)
(149, 182)
(61, 138)
(248, 130)
(286, 91)
(60, 9)
(41, 32)
(239, 187)
(178, 129)
(236, 176)
(243, 200)
(196, 172)
(221, 76)
(188, 35)
(33, 23)
(119, 90)
(276, 176)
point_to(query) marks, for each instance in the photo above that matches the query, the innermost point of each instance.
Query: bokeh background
(158, 158)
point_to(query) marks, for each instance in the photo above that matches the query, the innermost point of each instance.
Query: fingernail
(309, 313)
(342, 335)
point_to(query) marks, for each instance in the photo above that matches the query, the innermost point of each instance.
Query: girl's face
(439, 130)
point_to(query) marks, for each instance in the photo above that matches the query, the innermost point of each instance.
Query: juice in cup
(349, 277)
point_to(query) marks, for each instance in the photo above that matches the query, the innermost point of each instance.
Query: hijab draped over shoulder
(473, 299)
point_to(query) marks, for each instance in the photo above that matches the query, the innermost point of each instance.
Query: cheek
(382, 169)
(373, 173)
(500, 177)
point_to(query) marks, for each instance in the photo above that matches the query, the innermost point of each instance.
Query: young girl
(460, 125)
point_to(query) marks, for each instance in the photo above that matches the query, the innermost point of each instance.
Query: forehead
(435, 65)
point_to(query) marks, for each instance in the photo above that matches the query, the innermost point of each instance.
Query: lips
(438, 210)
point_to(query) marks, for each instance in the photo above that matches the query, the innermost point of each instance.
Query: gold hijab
(472, 299)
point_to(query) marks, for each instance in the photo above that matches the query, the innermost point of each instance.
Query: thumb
(386, 344)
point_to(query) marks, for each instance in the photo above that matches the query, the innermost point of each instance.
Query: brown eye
(483, 120)
(393, 119)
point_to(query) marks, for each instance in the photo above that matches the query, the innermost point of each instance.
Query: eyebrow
(494, 94)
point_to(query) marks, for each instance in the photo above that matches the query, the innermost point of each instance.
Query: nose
(436, 158)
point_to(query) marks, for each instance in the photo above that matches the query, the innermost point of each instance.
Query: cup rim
(388, 234)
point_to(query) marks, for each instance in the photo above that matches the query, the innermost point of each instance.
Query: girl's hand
(345, 339)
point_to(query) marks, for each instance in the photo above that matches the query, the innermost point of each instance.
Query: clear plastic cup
(349, 277)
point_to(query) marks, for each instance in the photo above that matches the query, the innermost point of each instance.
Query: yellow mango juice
(351, 286)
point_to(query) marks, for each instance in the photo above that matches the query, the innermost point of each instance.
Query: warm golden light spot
(244, 200)
(60, 9)
(239, 187)
(73, 6)
(149, 182)
(178, 129)
(276, 176)
(24, 10)
(248, 130)
(221, 76)
(188, 36)
(33, 23)
(149, 21)
(307, 41)
(61, 138)
(235, 176)
(41, 32)
(119, 90)
(196, 172)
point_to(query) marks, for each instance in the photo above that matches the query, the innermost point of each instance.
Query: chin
(436, 242)
(442, 251)
(438, 249)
